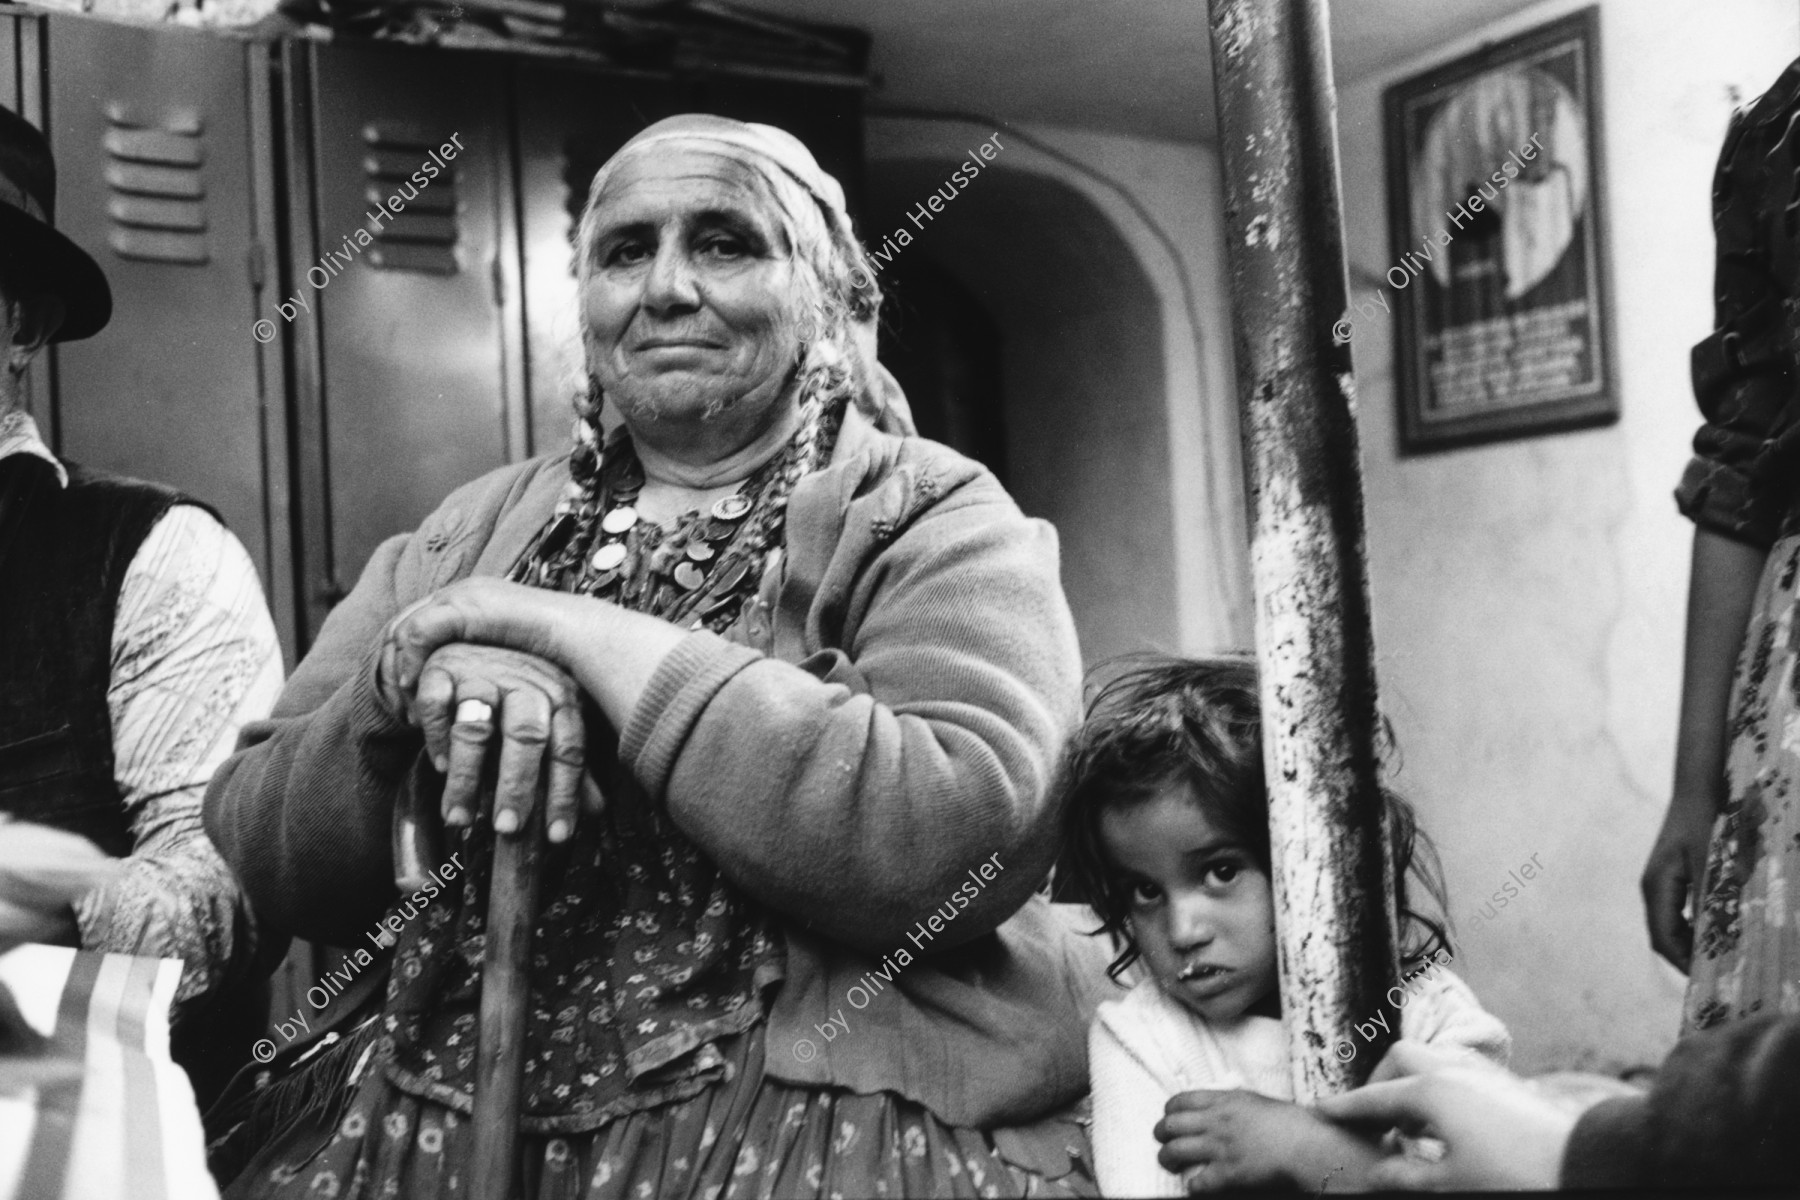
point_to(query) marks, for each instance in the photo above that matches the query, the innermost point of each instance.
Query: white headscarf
(821, 233)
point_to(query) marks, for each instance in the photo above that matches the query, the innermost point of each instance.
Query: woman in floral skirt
(1729, 852)
(797, 686)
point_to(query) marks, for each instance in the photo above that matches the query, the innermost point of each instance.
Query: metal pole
(1334, 908)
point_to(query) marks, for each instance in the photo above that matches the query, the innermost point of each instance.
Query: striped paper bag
(101, 1112)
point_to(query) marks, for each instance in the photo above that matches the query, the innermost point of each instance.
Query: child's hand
(1217, 1140)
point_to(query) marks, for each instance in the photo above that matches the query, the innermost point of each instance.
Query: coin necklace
(702, 571)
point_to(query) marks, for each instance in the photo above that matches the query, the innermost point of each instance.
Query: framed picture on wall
(1495, 216)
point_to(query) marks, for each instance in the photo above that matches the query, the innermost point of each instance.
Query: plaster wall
(1099, 256)
(1529, 595)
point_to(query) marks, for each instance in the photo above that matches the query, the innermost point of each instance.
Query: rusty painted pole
(1334, 908)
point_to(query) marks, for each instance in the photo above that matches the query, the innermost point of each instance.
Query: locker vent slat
(423, 235)
(154, 171)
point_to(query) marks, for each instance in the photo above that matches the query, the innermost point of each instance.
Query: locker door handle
(330, 592)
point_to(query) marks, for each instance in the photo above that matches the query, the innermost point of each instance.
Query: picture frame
(1496, 220)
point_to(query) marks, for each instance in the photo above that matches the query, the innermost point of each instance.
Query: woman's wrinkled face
(692, 305)
(1202, 910)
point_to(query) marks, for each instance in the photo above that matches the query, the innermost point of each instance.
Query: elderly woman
(795, 687)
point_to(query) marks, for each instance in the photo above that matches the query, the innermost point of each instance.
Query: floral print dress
(1744, 483)
(1747, 936)
(744, 1136)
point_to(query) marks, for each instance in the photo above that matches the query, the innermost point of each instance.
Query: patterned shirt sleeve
(1740, 482)
(194, 656)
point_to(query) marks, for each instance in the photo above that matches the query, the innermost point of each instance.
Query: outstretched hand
(43, 872)
(1498, 1132)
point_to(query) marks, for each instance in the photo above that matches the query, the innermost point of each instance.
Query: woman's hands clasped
(472, 661)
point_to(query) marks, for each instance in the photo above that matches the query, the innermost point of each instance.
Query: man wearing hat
(134, 641)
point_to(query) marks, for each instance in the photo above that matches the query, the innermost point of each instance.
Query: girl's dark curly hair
(1172, 721)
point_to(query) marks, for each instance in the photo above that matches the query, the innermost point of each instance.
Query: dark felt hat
(45, 259)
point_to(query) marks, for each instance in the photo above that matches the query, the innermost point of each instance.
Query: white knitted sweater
(1146, 1047)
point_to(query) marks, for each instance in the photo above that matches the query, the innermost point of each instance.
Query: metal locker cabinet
(163, 167)
(569, 122)
(10, 35)
(409, 367)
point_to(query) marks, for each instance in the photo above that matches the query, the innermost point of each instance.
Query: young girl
(1169, 838)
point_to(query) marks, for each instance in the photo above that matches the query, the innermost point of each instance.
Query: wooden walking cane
(505, 999)
(505, 974)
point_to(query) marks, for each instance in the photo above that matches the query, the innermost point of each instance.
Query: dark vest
(63, 557)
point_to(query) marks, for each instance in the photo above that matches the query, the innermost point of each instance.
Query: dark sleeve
(1725, 1112)
(1740, 482)
(302, 812)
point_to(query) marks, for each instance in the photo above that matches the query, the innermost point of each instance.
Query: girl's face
(1202, 911)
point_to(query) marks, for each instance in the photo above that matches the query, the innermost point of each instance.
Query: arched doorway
(1079, 325)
